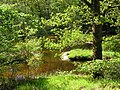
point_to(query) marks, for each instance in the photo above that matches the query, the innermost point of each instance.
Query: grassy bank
(69, 82)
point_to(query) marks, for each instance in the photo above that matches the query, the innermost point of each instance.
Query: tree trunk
(94, 5)
(97, 32)
(97, 41)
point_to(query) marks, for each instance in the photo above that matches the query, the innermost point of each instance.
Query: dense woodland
(88, 29)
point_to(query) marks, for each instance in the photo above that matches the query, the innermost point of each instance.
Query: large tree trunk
(97, 41)
(97, 32)
(94, 5)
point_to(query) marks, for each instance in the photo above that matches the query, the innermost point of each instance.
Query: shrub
(15, 26)
(30, 50)
(101, 68)
(67, 40)
(112, 43)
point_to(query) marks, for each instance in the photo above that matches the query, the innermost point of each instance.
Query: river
(50, 64)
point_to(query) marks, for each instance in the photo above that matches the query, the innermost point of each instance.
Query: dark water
(50, 64)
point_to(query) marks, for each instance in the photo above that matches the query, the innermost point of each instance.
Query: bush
(67, 40)
(112, 43)
(101, 68)
(15, 27)
(29, 51)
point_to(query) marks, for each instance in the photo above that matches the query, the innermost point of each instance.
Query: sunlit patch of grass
(89, 53)
(69, 82)
(81, 53)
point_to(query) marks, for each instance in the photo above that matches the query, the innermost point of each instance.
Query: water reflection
(50, 64)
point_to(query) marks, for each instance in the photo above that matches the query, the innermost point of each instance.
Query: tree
(14, 27)
(95, 6)
(62, 15)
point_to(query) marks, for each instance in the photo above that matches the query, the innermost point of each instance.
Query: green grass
(69, 82)
(80, 52)
(89, 53)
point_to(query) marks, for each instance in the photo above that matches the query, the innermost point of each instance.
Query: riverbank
(65, 81)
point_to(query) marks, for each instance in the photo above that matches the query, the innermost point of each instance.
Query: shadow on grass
(28, 84)
(35, 84)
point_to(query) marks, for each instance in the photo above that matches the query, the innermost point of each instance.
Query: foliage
(21, 21)
(68, 40)
(71, 19)
(41, 8)
(30, 51)
(101, 68)
(74, 38)
(8, 32)
(112, 43)
(110, 10)
(14, 27)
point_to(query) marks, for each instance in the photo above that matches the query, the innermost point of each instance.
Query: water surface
(50, 64)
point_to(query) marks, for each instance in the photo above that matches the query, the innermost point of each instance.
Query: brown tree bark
(97, 41)
(97, 29)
